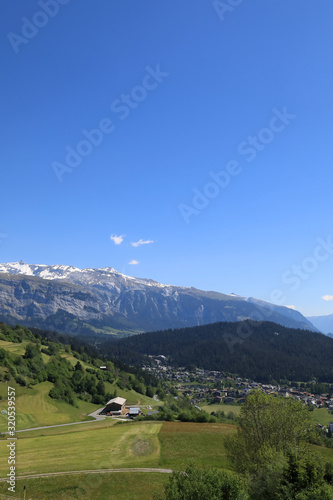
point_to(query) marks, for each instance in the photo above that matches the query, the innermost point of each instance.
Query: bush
(207, 484)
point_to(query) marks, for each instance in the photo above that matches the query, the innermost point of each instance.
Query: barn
(115, 406)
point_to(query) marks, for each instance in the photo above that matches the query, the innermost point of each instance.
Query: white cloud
(141, 242)
(117, 240)
(327, 297)
(292, 307)
(134, 262)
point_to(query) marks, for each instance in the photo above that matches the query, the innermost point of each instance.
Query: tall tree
(269, 427)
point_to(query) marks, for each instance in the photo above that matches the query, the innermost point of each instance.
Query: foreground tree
(207, 484)
(269, 428)
(271, 449)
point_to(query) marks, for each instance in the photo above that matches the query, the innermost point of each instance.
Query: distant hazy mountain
(72, 300)
(323, 323)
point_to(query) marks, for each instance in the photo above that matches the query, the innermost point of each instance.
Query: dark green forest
(262, 351)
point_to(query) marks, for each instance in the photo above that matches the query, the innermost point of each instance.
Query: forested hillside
(262, 351)
(27, 358)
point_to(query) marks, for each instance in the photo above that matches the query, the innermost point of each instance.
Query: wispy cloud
(327, 297)
(117, 240)
(141, 242)
(292, 307)
(134, 262)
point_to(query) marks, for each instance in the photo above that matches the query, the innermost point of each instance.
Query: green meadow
(322, 416)
(200, 443)
(122, 486)
(36, 408)
(106, 445)
(14, 348)
(222, 407)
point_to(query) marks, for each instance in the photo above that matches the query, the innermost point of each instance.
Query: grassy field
(14, 348)
(68, 429)
(325, 453)
(107, 444)
(322, 416)
(123, 486)
(73, 360)
(35, 408)
(145, 444)
(222, 407)
(126, 445)
(200, 443)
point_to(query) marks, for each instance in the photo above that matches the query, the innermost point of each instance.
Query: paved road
(50, 426)
(96, 471)
(95, 415)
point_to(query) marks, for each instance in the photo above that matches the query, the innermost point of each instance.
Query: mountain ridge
(323, 323)
(70, 300)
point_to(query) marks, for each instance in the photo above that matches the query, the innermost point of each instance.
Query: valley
(121, 454)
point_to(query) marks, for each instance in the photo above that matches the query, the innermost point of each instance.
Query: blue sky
(202, 129)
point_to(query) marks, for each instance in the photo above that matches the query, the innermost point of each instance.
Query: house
(115, 406)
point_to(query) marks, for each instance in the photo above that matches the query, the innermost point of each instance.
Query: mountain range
(323, 323)
(87, 301)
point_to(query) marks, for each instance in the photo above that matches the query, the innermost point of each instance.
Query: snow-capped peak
(39, 270)
(107, 276)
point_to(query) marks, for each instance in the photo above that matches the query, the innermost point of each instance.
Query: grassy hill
(56, 384)
(36, 408)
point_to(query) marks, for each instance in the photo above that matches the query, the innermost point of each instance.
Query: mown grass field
(14, 348)
(322, 416)
(200, 443)
(105, 445)
(122, 486)
(126, 445)
(35, 407)
(222, 407)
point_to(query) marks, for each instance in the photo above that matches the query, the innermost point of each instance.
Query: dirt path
(96, 471)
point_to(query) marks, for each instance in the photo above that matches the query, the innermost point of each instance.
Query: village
(198, 383)
(209, 387)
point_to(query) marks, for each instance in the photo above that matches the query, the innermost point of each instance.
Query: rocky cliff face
(71, 300)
